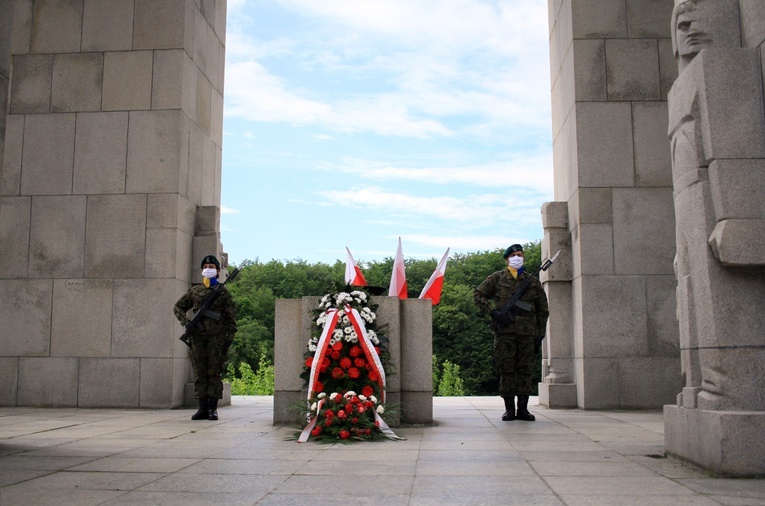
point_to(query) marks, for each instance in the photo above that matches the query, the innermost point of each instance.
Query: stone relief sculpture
(716, 129)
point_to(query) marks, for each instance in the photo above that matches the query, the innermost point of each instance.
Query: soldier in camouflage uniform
(515, 343)
(209, 344)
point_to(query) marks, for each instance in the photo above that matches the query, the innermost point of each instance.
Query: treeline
(461, 336)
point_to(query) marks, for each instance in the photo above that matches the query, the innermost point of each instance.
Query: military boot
(203, 411)
(509, 414)
(523, 412)
(212, 413)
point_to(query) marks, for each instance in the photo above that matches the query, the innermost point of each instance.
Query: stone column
(611, 69)
(717, 130)
(113, 141)
(558, 388)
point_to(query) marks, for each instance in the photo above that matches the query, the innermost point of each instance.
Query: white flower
(359, 295)
(313, 407)
(349, 394)
(337, 334)
(381, 409)
(348, 330)
(362, 398)
(332, 341)
(373, 399)
(311, 347)
(333, 395)
(345, 320)
(322, 395)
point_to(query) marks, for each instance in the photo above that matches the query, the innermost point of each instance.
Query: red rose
(349, 407)
(353, 373)
(344, 434)
(329, 413)
(356, 351)
(354, 420)
(328, 422)
(367, 391)
(318, 386)
(324, 364)
(374, 376)
(337, 346)
(341, 414)
(335, 355)
(316, 430)
(309, 362)
(359, 362)
(337, 373)
(345, 362)
(377, 424)
(360, 409)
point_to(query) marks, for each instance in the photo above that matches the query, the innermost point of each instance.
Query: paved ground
(109, 456)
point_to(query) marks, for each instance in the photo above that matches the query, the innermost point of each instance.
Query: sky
(353, 123)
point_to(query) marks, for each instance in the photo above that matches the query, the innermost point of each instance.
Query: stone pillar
(717, 131)
(112, 143)
(408, 327)
(611, 69)
(558, 388)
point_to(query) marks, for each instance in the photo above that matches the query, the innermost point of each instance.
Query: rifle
(509, 306)
(204, 309)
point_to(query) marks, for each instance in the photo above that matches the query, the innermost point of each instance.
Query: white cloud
(228, 210)
(532, 171)
(470, 211)
(469, 243)
(431, 61)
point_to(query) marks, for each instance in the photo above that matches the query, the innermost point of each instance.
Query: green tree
(450, 383)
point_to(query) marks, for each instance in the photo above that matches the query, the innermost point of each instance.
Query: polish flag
(435, 284)
(398, 276)
(353, 275)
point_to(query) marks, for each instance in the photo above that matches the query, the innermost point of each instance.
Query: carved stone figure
(715, 135)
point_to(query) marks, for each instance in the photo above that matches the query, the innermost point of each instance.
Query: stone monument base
(728, 443)
(557, 395)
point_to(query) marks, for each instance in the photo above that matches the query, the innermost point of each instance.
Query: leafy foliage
(461, 334)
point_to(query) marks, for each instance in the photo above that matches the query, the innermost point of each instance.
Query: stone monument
(612, 331)
(717, 133)
(109, 194)
(408, 327)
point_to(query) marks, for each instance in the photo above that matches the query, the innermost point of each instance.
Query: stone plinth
(408, 327)
(728, 443)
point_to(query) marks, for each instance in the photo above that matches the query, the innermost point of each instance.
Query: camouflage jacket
(499, 287)
(223, 305)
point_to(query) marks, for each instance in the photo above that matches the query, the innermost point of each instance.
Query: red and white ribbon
(321, 349)
(369, 349)
(308, 428)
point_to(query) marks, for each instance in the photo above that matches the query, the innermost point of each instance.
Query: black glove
(189, 327)
(502, 319)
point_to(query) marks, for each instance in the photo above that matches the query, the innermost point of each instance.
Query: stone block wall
(611, 69)
(408, 327)
(109, 194)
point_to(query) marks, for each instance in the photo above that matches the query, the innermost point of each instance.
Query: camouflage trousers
(514, 357)
(207, 359)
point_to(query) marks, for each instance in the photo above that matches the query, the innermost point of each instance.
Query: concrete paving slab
(468, 457)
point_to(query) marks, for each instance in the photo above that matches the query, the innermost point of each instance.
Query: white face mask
(515, 262)
(209, 273)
